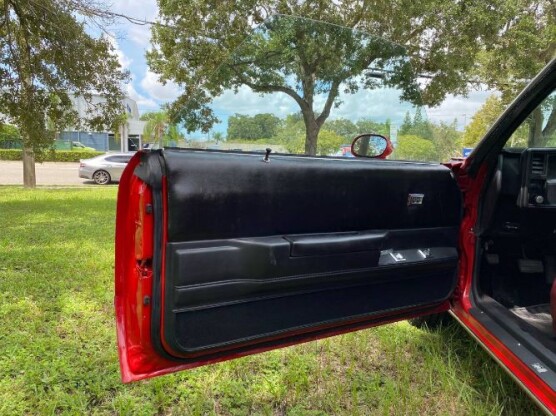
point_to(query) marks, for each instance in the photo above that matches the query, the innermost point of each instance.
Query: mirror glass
(369, 145)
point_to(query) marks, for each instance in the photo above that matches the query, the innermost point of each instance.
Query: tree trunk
(536, 138)
(550, 126)
(29, 178)
(312, 129)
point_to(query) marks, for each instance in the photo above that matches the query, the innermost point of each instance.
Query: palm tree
(157, 124)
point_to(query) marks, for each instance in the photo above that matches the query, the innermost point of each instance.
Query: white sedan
(105, 168)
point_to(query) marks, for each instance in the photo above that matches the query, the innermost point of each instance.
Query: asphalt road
(48, 173)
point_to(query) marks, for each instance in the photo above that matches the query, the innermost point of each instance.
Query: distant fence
(98, 141)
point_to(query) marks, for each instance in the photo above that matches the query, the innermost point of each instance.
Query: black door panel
(258, 251)
(217, 195)
(224, 325)
(236, 270)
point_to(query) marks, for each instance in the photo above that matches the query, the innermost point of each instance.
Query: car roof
(104, 156)
(119, 154)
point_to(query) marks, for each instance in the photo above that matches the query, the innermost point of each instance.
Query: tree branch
(332, 94)
(278, 88)
(271, 88)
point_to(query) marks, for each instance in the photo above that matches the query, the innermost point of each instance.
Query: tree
(442, 38)
(292, 128)
(269, 124)
(421, 126)
(366, 125)
(46, 57)
(9, 136)
(407, 124)
(542, 123)
(260, 126)
(156, 126)
(414, 148)
(328, 144)
(527, 42)
(447, 140)
(173, 136)
(241, 126)
(218, 137)
(159, 129)
(482, 120)
(342, 127)
(418, 126)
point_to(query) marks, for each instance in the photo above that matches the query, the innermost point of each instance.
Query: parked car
(105, 168)
(81, 146)
(220, 255)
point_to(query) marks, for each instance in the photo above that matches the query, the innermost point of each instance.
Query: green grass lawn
(58, 346)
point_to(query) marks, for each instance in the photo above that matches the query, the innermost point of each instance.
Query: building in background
(129, 138)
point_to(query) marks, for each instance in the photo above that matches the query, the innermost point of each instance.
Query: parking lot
(48, 174)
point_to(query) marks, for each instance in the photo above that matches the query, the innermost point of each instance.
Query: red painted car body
(145, 352)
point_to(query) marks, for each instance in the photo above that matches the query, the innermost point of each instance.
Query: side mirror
(372, 146)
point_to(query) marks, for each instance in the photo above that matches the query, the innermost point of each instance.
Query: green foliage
(407, 124)
(328, 143)
(526, 43)
(51, 156)
(447, 141)
(482, 120)
(503, 43)
(292, 128)
(218, 137)
(414, 148)
(155, 127)
(46, 55)
(418, 126)
(539, 130)
(160, 129)
(9, 133)
(11, 154)
(444, 139)
(342, 127)
(264, 125)
(303, 58)
(366, 125)
(349, 130)
(58, 353)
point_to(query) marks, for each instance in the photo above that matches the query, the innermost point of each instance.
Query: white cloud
(124, 61)
(163, 92)
(459, 107)
(378, 105)
(249, 103)
(144, 103)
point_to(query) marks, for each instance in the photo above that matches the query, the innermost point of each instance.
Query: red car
(219, 255)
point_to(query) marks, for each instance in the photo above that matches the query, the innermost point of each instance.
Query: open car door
(224, 254)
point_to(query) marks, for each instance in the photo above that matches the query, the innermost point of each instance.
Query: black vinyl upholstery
(261, 250)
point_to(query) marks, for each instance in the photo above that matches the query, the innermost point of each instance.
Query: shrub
(10, 154)
(51, 156)
(70, 155)
(413, 147)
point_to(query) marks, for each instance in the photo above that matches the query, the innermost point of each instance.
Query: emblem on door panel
(415, 199)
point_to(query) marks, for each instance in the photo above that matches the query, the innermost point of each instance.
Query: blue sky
(132, 41)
